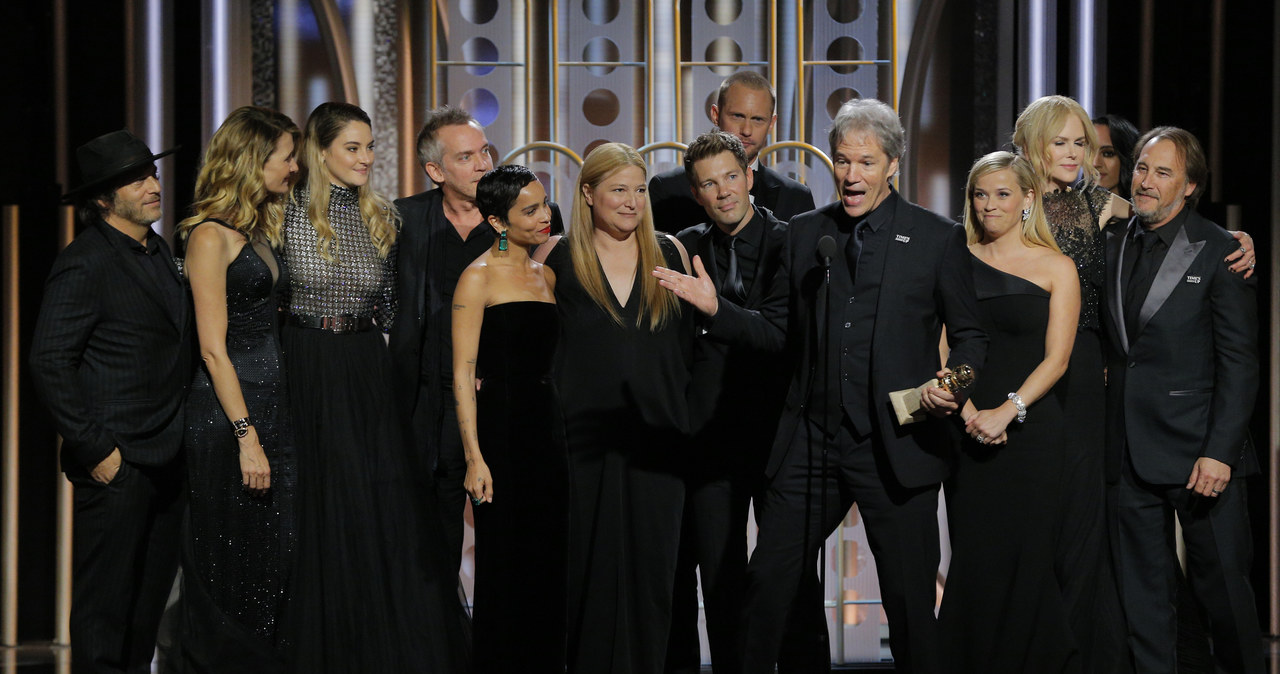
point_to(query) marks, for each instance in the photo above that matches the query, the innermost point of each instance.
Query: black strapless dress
(522, 537)
(238, 553)
(1002, 609)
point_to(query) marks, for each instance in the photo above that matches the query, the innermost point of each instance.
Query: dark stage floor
(50, 659)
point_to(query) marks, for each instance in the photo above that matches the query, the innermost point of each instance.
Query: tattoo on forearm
(459, 306)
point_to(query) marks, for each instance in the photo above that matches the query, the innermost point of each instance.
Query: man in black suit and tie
(744, 107)
(1183, 367)
(442, 233)
(112, 358)
(736, 397)
(898, 275)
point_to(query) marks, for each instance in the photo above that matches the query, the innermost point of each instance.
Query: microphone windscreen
(826, 248)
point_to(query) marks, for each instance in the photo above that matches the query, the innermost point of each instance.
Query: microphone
(826, 249)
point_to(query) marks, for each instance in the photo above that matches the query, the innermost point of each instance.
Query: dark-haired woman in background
(241, 471)
(505, 328)
(1114, 159)
(622, 370)
(368, 599)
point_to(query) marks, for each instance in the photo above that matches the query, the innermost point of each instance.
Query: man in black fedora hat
(112, 357)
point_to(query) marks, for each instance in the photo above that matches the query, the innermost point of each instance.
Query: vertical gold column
(9, 448)
(62, 560)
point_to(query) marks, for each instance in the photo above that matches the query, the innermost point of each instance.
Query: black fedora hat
(110, 156)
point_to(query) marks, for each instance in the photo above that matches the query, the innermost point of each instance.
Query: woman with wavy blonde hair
(366, 599)
(240, 462)
(622, 369)
(1003, 609)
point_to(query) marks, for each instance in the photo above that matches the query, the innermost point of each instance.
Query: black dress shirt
(151, 257)
(1147, 249)
(747, 244)
(458, 254)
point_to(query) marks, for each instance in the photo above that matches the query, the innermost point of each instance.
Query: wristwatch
(241, 427)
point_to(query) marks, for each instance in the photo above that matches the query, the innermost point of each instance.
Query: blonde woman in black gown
(238, 551)
(622, 369)
(505, 329)
(1002, 609)
(369, 596)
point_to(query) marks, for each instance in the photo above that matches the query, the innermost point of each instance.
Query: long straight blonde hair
(1035, 228)
(657, 305)
(230, 185)
(380, 215)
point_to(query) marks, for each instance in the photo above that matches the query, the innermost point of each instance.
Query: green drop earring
(502, 240)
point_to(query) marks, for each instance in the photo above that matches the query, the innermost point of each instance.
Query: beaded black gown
(1083, 565)
(371, 593)
(238, 553)
(624, 394)
(522, 537)
(1002, 609)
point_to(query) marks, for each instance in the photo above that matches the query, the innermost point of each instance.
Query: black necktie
(1140, 278)
(734, 290)
(853, 249)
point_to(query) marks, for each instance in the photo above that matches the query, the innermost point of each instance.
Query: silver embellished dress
(368, 596)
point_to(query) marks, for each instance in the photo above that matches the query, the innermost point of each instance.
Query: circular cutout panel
(478, 11)
(480, 49)
(600, 49)
(838, 98)
(844, 48)
(844, 11)
(482, 105)
(724, 12)
(600, 107)
(723, 49)
(593, 145)
(600, 12)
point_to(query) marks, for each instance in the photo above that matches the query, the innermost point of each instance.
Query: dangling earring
(1026, 213)
(502, 239)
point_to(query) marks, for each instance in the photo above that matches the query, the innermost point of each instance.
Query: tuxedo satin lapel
(767, 189)
(1172, 272)
(1115, 288)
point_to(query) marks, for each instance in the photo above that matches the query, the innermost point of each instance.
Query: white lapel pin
(1193, 279)
(901, 239)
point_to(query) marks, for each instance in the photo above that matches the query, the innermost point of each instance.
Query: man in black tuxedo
(744, 107)
(112, 358)
(442, 233)
(736, 397)
(1183, 367)
(898, 275)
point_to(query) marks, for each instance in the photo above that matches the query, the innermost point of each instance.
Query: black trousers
(451, 496)
(902, 528)
(1219, 553)
(125, 550)
(713, 550)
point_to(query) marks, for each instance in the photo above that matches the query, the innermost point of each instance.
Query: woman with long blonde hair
(241, 474)
(367, 599)
(1002, 610)
(622, 370)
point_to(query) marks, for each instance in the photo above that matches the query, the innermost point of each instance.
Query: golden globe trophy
(906, 403)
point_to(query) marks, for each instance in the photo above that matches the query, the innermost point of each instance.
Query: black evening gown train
(522, 536)
(623, 390)
(238, 551)
(371, 593)
(1002, 608)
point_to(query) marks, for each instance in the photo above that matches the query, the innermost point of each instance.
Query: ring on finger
(1243, 250)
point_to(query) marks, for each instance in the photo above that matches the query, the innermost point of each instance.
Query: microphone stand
(826, 250)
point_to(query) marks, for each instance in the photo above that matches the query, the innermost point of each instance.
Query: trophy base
(906, 403)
